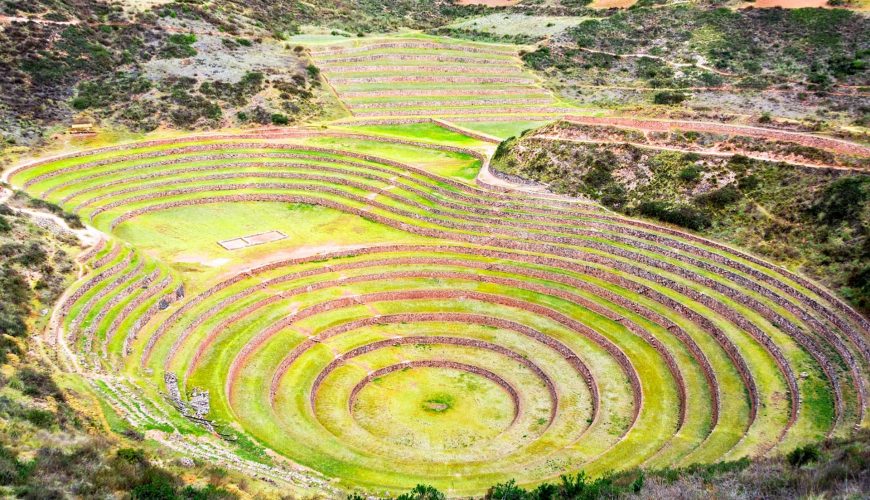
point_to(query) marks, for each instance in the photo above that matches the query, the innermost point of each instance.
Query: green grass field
(419, 75)
(414, 324)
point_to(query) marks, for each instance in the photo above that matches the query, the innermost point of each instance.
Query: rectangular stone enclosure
(254, 239)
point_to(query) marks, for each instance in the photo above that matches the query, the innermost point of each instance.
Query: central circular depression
(435, 407)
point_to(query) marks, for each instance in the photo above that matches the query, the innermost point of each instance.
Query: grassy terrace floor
(416, 327)
(416, 75)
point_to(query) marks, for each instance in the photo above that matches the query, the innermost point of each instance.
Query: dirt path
(89, 236)
(701, 65)
(16, 19)
(486, 179)
(76, 22)
(724, 88)
(710, 152)
(810, 140)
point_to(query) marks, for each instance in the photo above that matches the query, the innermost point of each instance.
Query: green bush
(422, 492)
(37, 383)
(858, 287)
(39, 418)
(748, 183)
(539, 59)
(720, 198)
(690, 174)
(669, 98)
(11, 470)
(179, 46)
(681, 215)
(279, 119)
(597, 177)
(843, 199)
(132, 455)
(156, 485)
(803, 455)
(182, 38)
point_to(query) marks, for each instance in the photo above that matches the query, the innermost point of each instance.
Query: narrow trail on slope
(88, 235)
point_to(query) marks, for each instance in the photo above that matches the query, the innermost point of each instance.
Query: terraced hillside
(419, 323)
(414, 76)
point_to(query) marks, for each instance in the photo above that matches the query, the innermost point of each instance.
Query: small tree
(422, 492)
(507, 491)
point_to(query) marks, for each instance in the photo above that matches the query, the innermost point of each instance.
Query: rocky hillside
(176, 65)
(792, 63)
(53, 443)
(814, 219)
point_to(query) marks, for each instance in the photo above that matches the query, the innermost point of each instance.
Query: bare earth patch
(610, 4)
(788, 4)
(489, 3)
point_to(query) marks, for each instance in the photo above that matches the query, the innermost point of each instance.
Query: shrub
(507, 491)
(614, 196)
(157, 485)
(422, 492)
(5, 226)
(720, 198)
(72, 220)
(597, 177)
(681, 215)
(690, 174)
(669, 98)
(132, 455)
(858, 290)
(539, 59)
(843, 199)
(39, 418)
(11, 470)
(179, 46)
(803, 455)
(38, 384)
(748, 183)
(182, 39)
(279, 119)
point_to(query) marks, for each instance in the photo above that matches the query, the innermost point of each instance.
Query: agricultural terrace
(387, 317)
(424, 76)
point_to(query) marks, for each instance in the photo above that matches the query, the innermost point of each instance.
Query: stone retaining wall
(444, 340)
(457, 111)
(748, 326)
(485, 69)
(104, 308)
(338, 49)
(477, 80)
(836, 145)
(594, 336)
(463, 318)
(299, 199)
(143, 284)
(444, 92)
(334, 62)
